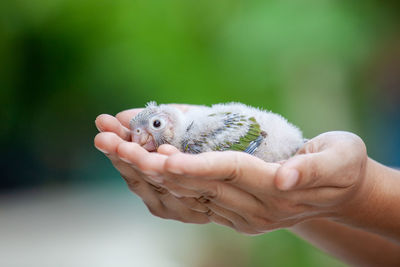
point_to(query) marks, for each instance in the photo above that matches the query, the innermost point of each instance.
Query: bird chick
(221, 127)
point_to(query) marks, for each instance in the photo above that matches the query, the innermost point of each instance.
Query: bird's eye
(156, 123)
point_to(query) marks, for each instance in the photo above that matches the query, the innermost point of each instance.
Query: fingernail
(98, 128)
(290, 180)
(101, 150)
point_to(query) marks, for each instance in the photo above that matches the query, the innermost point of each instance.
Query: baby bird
(221, 127)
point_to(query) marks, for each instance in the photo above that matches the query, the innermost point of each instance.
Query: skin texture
(330, 193)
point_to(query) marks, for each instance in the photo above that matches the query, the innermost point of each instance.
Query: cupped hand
(236, 189)
(322, 180)
(135, 165)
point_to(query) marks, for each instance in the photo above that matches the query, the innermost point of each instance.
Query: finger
(149, 194)
(107, 142)
(178, 190)
(127, 115)
(193, 204)
(149, 163)
(167, 150)
(213, 217)
(152, 167)
(174, 209)
(238, 222)
(310, 170)
(159, 189)
(222, 194)
(240, 169)
(158, 201)
(189, 216)
(108, 123)
(164, 205)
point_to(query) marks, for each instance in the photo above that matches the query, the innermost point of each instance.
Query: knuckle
(169, 186)
(142, 165)
(159, 189)
(207, 194)
(235, 171)
(213, 192)
(170, 164)
(146, 165)
(308, 147)
(175, 179)
(313, 171)
(143, 168)
(133, 184)
(260, 223)
(210, 213)
(156, 211)
(310, 177)
(203, 220)
(203, 200)
(303, 149)
(218, 191)
(162, 191)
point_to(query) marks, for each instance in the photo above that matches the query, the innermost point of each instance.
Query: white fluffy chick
(221, 127)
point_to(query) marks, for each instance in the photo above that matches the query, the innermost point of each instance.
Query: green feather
(252, 134)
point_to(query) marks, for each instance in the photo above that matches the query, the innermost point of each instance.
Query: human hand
(114, 141)
(250, 203)
(324, 179)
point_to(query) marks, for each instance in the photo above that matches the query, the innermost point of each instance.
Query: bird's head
(156, 125)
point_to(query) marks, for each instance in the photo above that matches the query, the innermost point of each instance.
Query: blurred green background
(325, 65)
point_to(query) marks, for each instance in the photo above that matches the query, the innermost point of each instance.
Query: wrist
(367, 200)
(354, 210)
(373, 206)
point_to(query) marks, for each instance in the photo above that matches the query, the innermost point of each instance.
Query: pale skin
(330, 193)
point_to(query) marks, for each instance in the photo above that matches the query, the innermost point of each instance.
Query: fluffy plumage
(231, 126)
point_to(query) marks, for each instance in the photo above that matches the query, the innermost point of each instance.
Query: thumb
(307, 171)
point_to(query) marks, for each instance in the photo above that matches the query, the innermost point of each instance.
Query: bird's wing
(251, 140)
(254, 145)
(230, 131)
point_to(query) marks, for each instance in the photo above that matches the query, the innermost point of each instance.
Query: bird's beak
(144, 139)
